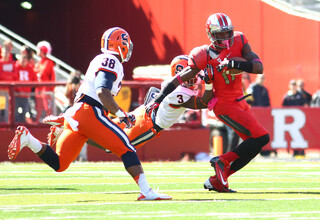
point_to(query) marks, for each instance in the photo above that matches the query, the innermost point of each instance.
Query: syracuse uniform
(173, 106)
(88, 117)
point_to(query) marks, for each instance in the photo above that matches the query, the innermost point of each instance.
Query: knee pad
(130, 159)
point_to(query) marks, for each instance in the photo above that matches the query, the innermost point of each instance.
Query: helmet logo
(125, 39)
(179, 68)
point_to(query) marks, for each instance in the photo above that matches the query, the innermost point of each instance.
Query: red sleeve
(198, 57)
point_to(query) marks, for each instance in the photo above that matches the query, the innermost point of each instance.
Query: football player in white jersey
(174, 105)
(88, 117)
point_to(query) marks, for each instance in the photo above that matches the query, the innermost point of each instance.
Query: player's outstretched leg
(214, 184)
(134, 168)
(19, 141)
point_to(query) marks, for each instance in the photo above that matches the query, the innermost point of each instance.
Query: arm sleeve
(104, 79)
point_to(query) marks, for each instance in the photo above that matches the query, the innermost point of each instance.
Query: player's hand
(208, 75)
(54, 120)
(128, 119)
(223, 66)
(151, 106)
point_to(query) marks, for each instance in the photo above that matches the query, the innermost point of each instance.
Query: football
(235, 71)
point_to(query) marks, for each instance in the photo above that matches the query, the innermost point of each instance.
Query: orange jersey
(227, 87)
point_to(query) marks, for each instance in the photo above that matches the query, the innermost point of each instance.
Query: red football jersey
(25, 74)
(7, 71)
(45, 72)
(227, 87)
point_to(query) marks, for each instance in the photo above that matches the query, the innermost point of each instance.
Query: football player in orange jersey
(146, 128)
(229, 54)
(88, 117)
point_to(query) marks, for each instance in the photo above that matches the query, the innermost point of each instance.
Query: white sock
(34, 144)
(142, 182)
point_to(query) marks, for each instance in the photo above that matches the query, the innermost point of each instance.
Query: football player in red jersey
(229, 54)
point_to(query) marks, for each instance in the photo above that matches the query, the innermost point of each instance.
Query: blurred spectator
(307, 96)
(7, 62)
(44, 69)
(294, 98)
(72, 86)
(315, 102)
(25, 50)
(25, 73)
(260, 94)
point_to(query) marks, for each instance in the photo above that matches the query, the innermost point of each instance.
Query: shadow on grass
(252, 193)
(38, 189)
(307, 193)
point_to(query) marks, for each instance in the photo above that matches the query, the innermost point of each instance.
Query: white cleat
(19, 141)
(54, 134)
(153, 195)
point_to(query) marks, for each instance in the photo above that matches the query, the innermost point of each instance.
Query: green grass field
(266, 190)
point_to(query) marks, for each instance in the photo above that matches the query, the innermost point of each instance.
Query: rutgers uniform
(230, 108)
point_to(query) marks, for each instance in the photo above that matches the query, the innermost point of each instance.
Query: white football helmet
(117, 41)
(218, 23)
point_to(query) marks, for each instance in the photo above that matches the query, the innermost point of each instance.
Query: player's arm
(248, 54)
(103, 85)
(197, 102)
(186, 74)
(251, 64)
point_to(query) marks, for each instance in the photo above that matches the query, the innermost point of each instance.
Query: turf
(265, 190)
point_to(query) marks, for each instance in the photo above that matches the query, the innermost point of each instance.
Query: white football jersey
(167, 115)
(107, 62)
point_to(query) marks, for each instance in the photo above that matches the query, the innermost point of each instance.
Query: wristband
(257, 60)
(208, 86)
(246, 66)
(120, 114)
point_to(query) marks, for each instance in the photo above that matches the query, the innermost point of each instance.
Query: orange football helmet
(218, 23)
(117, 41)
(177, 65)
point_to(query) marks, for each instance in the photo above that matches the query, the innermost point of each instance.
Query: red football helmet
(179, 63)
(218, 23)
(117, 41)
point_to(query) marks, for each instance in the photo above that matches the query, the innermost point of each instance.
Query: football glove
(128, 119)
(151, 106)
(212, 103)
(208, 75)
(224, 66)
